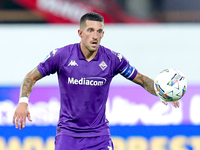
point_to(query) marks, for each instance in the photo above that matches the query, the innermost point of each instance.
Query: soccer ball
(170, 85)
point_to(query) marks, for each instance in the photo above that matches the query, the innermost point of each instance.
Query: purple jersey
(84, 87)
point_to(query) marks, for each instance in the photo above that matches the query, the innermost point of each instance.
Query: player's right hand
(19, 118)
(175, 103)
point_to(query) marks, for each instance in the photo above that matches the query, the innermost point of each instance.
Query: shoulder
(67, 49)
(64, 52)
(60, 54)
(111, 54)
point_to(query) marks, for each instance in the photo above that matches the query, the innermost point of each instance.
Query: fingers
(22, 123)
(17, 121)
(175, 104)
(14, 118)
(20, 120)
(29, 117)
(164, 102)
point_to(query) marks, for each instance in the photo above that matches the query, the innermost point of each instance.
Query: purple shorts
(64, 142)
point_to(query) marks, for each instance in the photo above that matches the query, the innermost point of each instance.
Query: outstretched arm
(19, 118)
(148, 84)
(145, 82)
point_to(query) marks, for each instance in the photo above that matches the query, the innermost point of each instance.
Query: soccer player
(85, 71)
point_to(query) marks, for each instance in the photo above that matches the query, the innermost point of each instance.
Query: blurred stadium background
(152, 34)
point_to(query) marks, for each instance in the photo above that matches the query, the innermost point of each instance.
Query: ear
(102, 34)
(80, 32)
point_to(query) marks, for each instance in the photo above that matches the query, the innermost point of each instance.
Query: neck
(88, 54)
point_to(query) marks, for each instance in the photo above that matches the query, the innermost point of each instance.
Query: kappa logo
(49, 55)
(103, 65)
(120, 57)
(54, 52)
(109, 148)
(72, 63)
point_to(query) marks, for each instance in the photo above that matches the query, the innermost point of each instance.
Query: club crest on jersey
(72, 63)
(103, 65)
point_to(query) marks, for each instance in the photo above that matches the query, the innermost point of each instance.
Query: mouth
(94, 43)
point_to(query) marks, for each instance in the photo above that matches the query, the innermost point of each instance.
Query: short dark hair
(91, 16)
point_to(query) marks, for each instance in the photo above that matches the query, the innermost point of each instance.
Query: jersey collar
(80, 54)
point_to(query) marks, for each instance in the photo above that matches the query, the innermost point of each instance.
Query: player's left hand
(175, 104)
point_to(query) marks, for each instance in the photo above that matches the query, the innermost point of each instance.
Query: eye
(89, 30)
(100, 31)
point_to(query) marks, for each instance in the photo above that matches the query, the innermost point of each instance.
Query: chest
(80, 68)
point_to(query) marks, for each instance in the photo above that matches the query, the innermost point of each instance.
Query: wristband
(23, 100)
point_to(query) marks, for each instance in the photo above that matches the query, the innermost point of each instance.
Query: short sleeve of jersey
(123, 67)
(51, 63)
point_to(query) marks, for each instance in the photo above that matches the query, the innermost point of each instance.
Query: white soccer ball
(170, 85)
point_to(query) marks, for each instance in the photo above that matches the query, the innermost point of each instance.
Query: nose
(95, 35)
